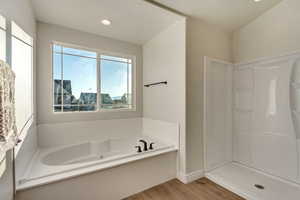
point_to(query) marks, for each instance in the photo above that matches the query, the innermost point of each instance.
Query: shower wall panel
(264, 132)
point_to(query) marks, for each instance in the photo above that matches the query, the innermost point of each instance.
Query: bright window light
(106, 22)
(22, 63)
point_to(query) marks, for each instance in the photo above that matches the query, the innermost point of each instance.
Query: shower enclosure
(252, 126)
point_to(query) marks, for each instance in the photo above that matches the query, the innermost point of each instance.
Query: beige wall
(202, 40)
(164, 60)
(274, 33)
(46, 35)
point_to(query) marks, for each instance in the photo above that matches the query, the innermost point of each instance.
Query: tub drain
(258, 186)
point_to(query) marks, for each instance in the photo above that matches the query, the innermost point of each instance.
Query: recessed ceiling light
(106, 22)
(257, 0)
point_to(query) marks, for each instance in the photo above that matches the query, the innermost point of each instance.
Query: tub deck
(53, 164)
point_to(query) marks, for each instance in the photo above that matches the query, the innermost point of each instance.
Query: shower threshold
(252, 184)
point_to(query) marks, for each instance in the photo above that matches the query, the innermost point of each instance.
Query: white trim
(100, 51)
(268, 59)
(190, 177)
(217, 60)
(207, 61)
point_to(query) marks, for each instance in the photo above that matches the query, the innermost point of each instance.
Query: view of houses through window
(89, 81)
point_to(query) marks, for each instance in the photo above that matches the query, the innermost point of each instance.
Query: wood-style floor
(202, 189)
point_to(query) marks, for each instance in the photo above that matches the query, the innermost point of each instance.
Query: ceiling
(133, 21)
(137, 21)
(229, 14)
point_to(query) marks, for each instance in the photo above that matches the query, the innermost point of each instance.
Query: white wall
(22, 13)
(164, 60)
(202, 40)
(46, 35)
(274, 33)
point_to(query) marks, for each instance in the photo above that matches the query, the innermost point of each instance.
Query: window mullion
(62, 79)
(99, 81)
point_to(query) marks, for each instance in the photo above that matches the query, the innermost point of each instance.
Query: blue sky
(82, 73)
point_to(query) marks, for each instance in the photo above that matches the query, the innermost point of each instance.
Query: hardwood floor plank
(202, 189)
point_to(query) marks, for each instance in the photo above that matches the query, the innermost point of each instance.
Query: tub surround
(59, 134)
(115, 143)
(166, 132)
(40, 174)
(113, 183)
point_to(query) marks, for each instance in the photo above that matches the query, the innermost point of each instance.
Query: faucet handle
(139, 149)
(145, 144)
(151, 146)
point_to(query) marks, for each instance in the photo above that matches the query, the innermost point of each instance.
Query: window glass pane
(80, 52)
(22, 66)
(2, 45)
(113, 58)
(115, 91)
(79, 83)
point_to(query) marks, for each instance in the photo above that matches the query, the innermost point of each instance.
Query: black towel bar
(157, 83)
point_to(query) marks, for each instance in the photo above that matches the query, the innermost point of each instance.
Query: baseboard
(190, 177)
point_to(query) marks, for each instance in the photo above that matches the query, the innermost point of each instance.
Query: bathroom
(89, 117)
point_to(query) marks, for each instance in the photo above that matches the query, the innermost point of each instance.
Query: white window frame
(99, 52)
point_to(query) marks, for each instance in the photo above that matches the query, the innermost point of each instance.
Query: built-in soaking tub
(53, 164)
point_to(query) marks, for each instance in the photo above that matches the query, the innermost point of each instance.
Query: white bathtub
(53, 164)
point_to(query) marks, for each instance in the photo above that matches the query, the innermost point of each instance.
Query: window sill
(98, 111)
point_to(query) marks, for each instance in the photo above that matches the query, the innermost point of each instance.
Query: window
(22, 63)
(2, 38)
(86, 80)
